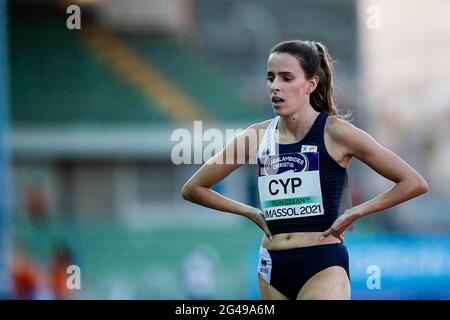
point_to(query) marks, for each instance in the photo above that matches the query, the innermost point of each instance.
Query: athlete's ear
(312, 82)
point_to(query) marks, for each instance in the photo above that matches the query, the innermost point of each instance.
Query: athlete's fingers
(265, 228)
(268, 233)
(261, 222)
(339, 231)
(345, 228)
(326, 233)
(335, 232)
(339, 227)
(338, 234)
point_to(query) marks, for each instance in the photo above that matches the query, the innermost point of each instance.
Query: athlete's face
(287, 84)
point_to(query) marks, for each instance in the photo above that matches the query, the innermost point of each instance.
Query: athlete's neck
(295, 126)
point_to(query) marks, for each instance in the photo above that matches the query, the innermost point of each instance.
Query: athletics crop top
(301, 188)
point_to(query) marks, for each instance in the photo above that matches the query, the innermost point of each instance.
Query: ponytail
(322, 97)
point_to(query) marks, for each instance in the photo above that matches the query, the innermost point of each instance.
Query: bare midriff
(284, 241)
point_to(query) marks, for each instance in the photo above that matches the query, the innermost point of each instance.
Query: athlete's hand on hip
(343, 222)
(257, 216)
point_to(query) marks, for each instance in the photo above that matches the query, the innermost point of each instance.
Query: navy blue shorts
(288, 270)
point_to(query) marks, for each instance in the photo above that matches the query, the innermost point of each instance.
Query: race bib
(289, 186)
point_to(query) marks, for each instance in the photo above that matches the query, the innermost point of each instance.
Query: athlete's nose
(275, 86)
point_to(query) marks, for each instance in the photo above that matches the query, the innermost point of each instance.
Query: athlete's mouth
(277, 99)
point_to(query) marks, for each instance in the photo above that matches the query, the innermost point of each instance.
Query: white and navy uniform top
(301, 188)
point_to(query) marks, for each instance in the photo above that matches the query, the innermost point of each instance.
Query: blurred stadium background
(87, 117)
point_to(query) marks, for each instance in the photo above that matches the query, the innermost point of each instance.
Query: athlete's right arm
(237, 152)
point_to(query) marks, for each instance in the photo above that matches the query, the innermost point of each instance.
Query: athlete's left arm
(357, 143)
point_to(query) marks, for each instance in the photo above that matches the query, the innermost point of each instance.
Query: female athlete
(302, 155)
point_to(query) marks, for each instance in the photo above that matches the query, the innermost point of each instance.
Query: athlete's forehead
(283, 63)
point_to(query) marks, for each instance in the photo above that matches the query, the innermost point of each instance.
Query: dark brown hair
(314, 59)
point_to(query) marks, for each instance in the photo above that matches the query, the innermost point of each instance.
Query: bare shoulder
(351, 139)
(260, 125)
(257, 130)
(252, 129)
(340, 130)
(252, 137)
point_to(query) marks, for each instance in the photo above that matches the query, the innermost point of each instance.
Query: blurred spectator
(36, 203)
(62, 258)
(24, 276)
(200, 273)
